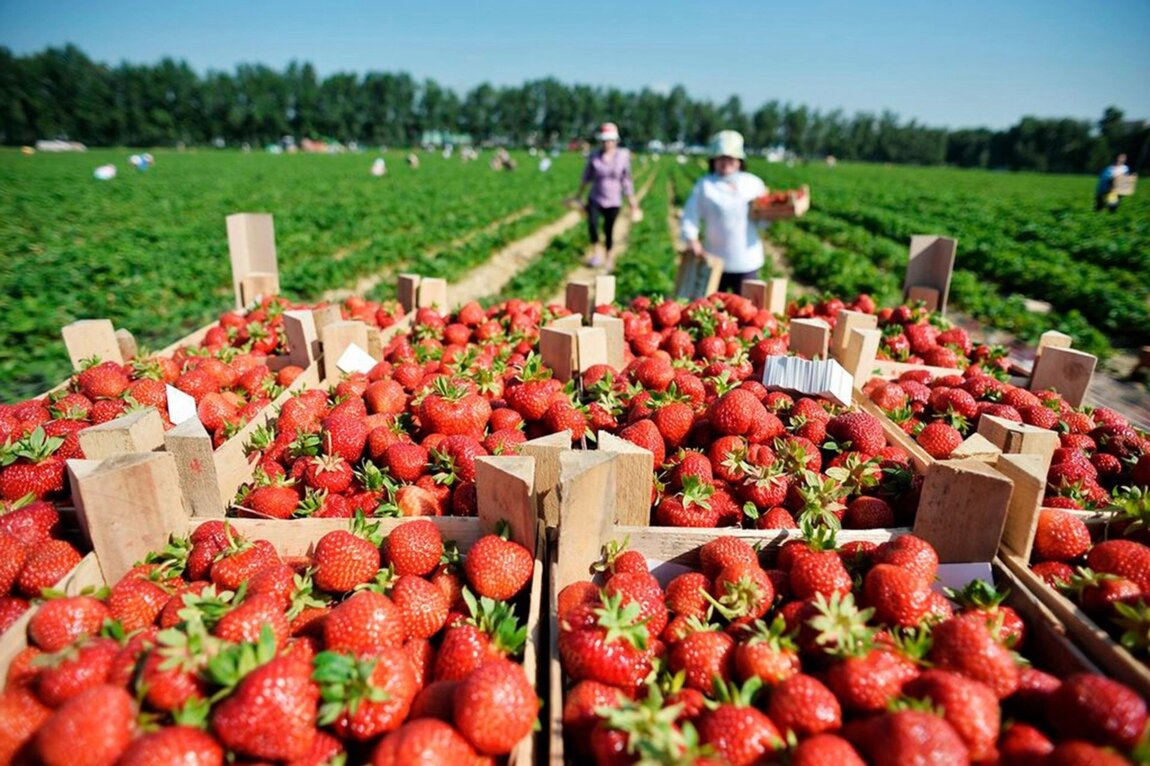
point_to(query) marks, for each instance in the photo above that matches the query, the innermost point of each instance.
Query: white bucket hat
(608, 131)
(728, 143)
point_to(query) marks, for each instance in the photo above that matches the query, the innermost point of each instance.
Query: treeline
(62, 93)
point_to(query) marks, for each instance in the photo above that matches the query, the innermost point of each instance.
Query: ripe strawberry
(21, 714)
(137, 600)
(910, 736)
(966, 645)
(37, 471)
(643, 589)
(805, 706)
(415, 547)
(734, 412)
(703, 656)
(496, 707)
(169, 677)
(92, 729)
(1097, 709)
(365, 694)
(498, 568)
(344, 559)
(76, 670)
(344, 436)
(645, 434)
(405, 461)
(825, 750)
(103, 381)
(278, 500)
(1023, 744)
(184, 745)
(863, 432)
(867, 680)
(939, 439)
(272, 713)
(247, 621)
(899, 597)
(61, 621)
(605, 642)
(911, 553)
(865, 512)
(739, 733)
(768, 653)
(30, 524)
(424, 606)
(818, 571)
(967, 705)
(451, 409)
(240, 561)
(1124, 558)
(425, 740)
(45, 565)
(330, 473)
(368, 621)
(1060, 536)
(12, 608)
(674, 421)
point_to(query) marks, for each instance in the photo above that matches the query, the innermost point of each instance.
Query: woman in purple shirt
(608, 173)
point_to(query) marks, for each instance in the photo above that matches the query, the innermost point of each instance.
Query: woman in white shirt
(720, 204)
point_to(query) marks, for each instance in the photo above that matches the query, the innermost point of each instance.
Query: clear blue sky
(955, 64)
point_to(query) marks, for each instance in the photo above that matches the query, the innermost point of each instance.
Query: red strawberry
(605, 642)
(965, 645)
(645, 434)
(425, 740)
(739, 733)
(92, 729)
(899, 597)
(76, 670)
(330, 473)
(272, 713)
(767, 653)
(1097, 709)
(405, 461)
(240, 561)
(498, 568)
(424, 606)
(496, 707)
(45, 565)
(939, 439)
(734, 412)
(414, 547)
(967, 705)
(703, 656)
(1124, 558)
(343, 560)
(1060, 536)
(61, 621)
(368, 621)
(364, 694)
(825, 750)
(863, 432)
(278, 500)
(344, 436)
(184, 745)
(910, 736)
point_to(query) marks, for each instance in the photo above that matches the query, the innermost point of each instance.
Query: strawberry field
(506, 533)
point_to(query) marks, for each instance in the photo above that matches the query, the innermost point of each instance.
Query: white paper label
(956, 576)
(355, 359)
(181, 406)
(825, 378)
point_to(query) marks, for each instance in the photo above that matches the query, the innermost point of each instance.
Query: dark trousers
(732, 281)
(609, 215)
(1100, 202)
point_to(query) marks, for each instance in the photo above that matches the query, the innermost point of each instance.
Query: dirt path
(490, 277)
(622, 236)
(364, 284)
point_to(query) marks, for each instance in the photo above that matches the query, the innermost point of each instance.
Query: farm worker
(720, 204)
(379, 167)
(545, 164)
(1105, 195)
(608, 173)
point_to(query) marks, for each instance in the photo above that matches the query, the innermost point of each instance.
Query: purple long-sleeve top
(609, 179)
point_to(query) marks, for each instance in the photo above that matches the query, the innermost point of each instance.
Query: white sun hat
(727, 143)
(608, 131)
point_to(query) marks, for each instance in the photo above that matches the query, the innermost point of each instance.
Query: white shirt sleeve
(690, 225)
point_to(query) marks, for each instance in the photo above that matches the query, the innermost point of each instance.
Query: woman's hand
(695, 248)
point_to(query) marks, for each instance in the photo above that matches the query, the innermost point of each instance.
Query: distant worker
(413, 161)
(608, 173)
(1105, 194)
(379, 167)
(720, 203)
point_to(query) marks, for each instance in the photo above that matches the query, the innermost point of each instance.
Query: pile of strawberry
(218, 649)
(402, 439)
(828, 656)
(1107, 572)
(727, 452)
(34, 555)
(912, 334)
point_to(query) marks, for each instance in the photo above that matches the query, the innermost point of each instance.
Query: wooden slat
(635, 472)
(810, 338)
(545, 450)
(252, 249)
(87, 338)
(141, 431)
(613, 328)
(962, 510)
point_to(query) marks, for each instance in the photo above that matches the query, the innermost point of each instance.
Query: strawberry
(939, 439)
(61, 621)
(184, 745)
(31, 467)
(248, 620)
(12, 556)
(862, 432)
(451, 408)
(405, 461)
(169, 677)
(496, 707)
(1076, 752)
(966, 645)
(424, 606)
(733, 412)
(137, 600)
(1097, 709)
(825, 750)
(46, 564)
(605, 642)
(30, 523)
(1023, 744)
(330, 473)
(643, 589)
(415, 547)
(818, 572)
(73, 671)
(645, 434)
(497, 567)
(103, 381)
(454, 459)
(92, 729)
(899, 597)
(967, 705)
(344, 559)
(910, 552)
(1060, 536)
(910, 736)
(425, 740)
(21, 714)
(368, 621)
(12, 608)
(739, 733)
(703, 655)
(271, 715)
(344, 436)
(865, 512)
(1124, 558)
(240, 561)
(767, 653)
(365, 694)
(803, 705)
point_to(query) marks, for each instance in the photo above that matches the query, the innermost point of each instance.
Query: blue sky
(958, 64)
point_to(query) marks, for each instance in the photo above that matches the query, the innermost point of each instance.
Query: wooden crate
(669, 549)
(130, 505)
(799, 202)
